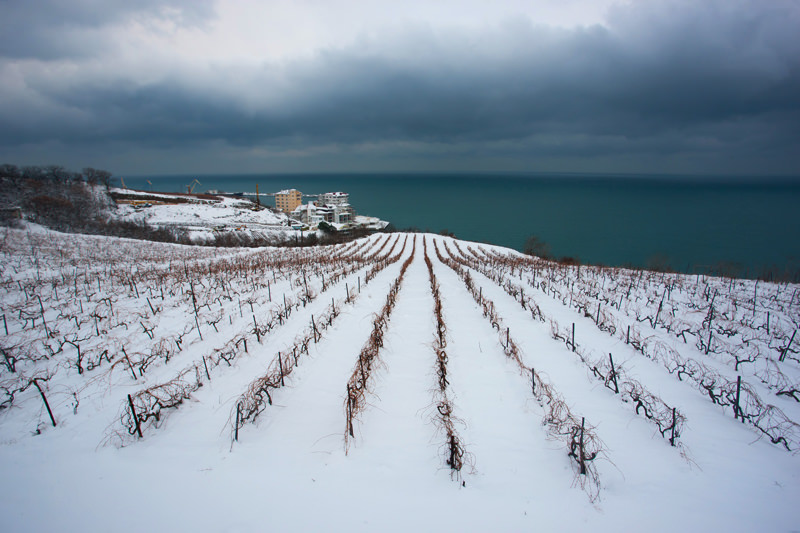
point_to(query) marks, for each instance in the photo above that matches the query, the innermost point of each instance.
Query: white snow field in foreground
(399, 382)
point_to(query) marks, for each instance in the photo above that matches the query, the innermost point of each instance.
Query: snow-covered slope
(245, 371)
(200, 215)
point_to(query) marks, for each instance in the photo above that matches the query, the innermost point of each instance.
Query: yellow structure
(287, 200)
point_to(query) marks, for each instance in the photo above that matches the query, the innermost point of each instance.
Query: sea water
(746, 225)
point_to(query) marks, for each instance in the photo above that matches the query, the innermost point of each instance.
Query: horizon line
(482, 173)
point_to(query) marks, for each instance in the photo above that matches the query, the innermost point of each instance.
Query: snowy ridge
(491, 384)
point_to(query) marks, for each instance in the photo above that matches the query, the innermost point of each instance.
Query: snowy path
(395, 433)
(511, 450)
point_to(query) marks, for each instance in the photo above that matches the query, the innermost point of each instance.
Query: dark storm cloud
(661, 78)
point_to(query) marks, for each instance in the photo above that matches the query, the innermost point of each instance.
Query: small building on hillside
(287, 200)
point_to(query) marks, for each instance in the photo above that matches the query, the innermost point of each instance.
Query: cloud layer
(658, 85)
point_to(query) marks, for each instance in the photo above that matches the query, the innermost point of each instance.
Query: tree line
(67, 201)
(56, 174)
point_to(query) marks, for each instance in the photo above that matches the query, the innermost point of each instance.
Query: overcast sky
(193, 86)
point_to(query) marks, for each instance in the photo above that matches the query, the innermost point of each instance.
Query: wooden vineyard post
(658, 311)
(613, 374)
(347, 291)
(238, 418)
(783, 355)
(46, 404)
(672, 433)
(597, 317)
(582, 457)
(314, 327)
(628, 335)
(206, 367)
(280, 366)
(129, 364)
(41, 307)
(135, 418)
(573, 336)
(755, 298)
(533, 382)
(194, 304)
(349, 412)
(5, 324)
(255, 328)
(737, 409)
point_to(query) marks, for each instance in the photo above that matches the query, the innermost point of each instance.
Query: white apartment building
(313, 213)
(333, 198)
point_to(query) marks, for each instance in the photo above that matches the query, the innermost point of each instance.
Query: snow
(370, 222)
(289, 471)
(203, 215)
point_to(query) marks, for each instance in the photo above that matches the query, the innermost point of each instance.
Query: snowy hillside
(202, 215)
(394, 383)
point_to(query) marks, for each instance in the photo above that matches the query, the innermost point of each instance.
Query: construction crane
(190, 188)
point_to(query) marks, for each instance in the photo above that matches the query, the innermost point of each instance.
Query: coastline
(742, 225)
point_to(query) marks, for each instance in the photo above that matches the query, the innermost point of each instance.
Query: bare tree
(536, 246)
(95, 176)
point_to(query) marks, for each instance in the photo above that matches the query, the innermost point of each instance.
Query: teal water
(691, 223)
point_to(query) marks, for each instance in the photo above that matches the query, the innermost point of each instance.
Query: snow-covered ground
(190, 333)
(201, 215)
